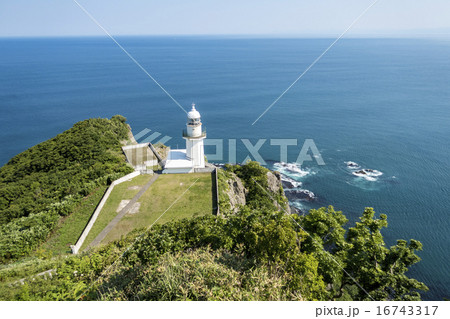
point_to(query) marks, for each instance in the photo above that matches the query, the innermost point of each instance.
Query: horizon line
(245, 36)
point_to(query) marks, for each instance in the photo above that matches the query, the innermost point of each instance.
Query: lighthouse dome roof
(193, 114)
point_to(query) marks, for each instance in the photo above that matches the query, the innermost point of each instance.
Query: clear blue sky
(233, 17)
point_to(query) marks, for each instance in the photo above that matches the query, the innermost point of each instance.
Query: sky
(31, 18)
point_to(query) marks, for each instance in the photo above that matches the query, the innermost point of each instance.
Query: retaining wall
(75, 248)
(217, 191)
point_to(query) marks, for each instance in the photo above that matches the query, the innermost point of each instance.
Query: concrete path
(45, 274)
(122, 213)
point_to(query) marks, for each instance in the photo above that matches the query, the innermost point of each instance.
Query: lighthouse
(194, 136)
(191, 159)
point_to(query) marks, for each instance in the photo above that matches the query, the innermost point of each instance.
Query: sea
(377, 110)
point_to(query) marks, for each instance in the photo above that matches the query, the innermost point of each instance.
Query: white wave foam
(292, 168)
(368, 174)
(300, 206)
(352, 165)
(290, 181)
(301, 194)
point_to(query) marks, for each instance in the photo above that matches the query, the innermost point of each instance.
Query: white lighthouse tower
(191, 159)
(194, 136)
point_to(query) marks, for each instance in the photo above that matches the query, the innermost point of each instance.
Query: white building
(193, 157)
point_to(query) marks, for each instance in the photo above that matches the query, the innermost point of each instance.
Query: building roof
(178, 159)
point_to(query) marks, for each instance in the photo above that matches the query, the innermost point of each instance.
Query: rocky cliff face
(233, 191)
(274, 181)
(236, 192)
(275, 184)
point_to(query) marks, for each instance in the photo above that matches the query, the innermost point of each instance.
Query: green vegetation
(123, 191)
(255, 254)
(205, 274)
(223, 200)
(254, 177)
(48, 193)
(31, 265)
(49, 180)
(70, 228)
(164, 191)
(162, 150)
(361, 251)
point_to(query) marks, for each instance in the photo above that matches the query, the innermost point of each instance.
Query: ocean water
(381, 103)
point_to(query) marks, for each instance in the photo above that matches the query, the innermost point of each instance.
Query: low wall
(134, 146)
(125, 178)
(217, 191)
(75, 248)
(204, 170)
(150, 145)
(140, 155)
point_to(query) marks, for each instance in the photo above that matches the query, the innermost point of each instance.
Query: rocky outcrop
(300, 194)
(365, 171)
(275, 184)
(233, 194)
(352, 165)
(289, 183)
(295, 210)
(236, 192)
(274, 181)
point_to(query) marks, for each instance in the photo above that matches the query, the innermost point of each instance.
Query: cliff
(239, 187)
(232, 193)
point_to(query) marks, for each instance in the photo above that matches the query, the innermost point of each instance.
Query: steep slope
(47, 181)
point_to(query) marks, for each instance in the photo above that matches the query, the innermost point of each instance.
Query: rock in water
(300, 194)
(296, 210)
(352, 164)
(288, 182)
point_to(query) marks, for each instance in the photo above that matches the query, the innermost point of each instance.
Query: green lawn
(125, 190)
(158, 198)
(71, 227)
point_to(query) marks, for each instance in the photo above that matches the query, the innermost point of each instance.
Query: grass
(155, 168)
(18, 270)
(161, 195)
(120, 192)
(25, 267)
(218, 275)
(66, 233)
(70, 228)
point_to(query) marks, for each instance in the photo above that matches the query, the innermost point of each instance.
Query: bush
(49, 179)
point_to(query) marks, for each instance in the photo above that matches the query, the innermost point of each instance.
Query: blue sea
(383, 104)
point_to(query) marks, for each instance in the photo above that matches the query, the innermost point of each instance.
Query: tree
(379, 269)
(360, 255)
(326, 241)
(120, 118)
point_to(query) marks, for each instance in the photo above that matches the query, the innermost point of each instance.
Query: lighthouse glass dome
(194, 115)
